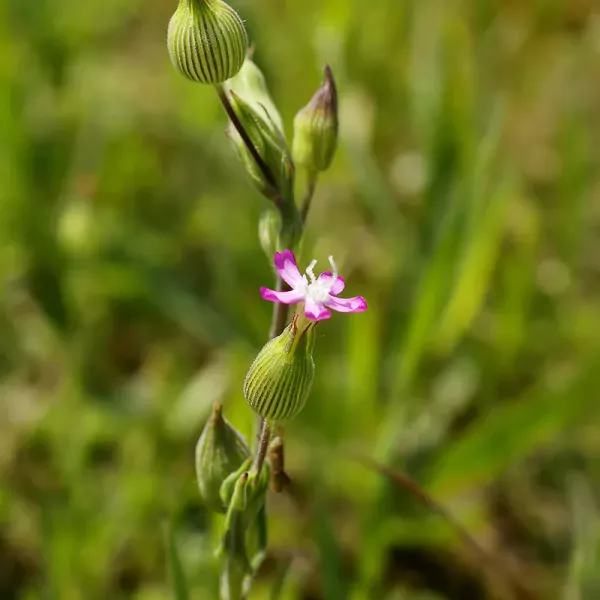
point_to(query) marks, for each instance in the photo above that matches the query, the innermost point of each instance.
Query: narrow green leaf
(178, 579)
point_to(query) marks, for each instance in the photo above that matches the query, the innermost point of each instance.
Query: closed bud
(316, 128)
(207, 40)
(251, 85)
(267, 138)
(220, 451)
(280, 378)
(269, 228)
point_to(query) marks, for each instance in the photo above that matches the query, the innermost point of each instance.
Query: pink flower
(317, 293)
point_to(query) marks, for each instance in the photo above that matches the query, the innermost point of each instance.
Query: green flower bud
(221, 450)
(316, 128)
(269, 142)
(269, 229)
(251, 85)
(207, 40)
(235, 566)
(280, 378)
(243, 543)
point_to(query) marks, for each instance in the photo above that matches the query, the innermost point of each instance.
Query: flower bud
(207, 40)
(316, 128)
(251, 85)
(221, 450)
(268, 141)
(269, 229)
(280, 378)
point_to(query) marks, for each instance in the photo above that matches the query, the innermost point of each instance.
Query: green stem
(278, 323)
(310, 192)
(280, 312)
(263, 447)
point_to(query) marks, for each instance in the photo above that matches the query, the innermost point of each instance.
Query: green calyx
(269, 142)
(220, 451)
(316, 128)
(251, 85)
(281, 377)
(244, 541)
(207, 40)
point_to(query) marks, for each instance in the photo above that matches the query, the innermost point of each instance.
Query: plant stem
(280, 312)
(310, 192)
(263, 446)
(280, 316)
(260, 163)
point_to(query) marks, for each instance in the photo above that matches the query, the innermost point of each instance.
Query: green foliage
(178, 579)
(462, 203)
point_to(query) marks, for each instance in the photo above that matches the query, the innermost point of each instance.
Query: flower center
(319, 289)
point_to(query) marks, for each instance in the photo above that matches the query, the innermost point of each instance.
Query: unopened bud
(316, 128)
(207, 40)
(269, 229)
(220, 451)
(269, 143)
(281, 377)
(251, 85)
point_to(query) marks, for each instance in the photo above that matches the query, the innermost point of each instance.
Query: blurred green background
(464, 204)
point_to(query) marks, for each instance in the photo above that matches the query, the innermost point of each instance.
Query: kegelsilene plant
(208, 43)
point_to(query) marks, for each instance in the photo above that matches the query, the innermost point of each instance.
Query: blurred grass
(463, 203)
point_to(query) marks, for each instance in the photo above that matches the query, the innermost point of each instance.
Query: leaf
(178, 579)
(513, 430)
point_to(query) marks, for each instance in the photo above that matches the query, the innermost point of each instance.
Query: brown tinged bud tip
(220, 451)
(316, 127)
(327, 93)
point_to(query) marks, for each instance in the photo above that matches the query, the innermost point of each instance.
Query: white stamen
(310, 272)
(333, 268)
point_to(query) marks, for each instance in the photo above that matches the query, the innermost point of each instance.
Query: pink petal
(290, 297)
(338, 284)
(316, 310)
(356, 304)
(285, 263)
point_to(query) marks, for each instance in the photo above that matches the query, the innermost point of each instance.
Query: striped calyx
(220, 451)
(207, 40)
(280, 378)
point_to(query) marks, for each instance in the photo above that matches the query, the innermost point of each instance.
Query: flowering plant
(207, 43)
